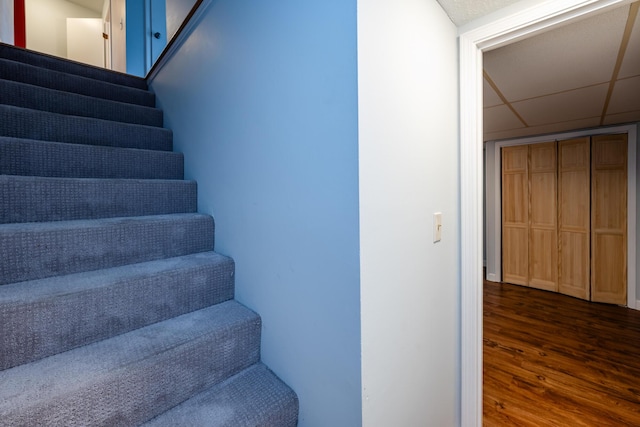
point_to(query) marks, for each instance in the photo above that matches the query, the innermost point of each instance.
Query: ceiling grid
(580, 75)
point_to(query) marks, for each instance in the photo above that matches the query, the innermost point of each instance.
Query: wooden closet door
(609, 219)
(515, 215)
(574, 214)
(543, 215)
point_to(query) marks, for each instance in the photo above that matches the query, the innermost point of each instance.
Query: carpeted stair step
(66, 66)
(56, 101)
(19, 123)
(40, 199)
(131, 378)
(37, 250)
(253, 397)
(42, 158)
(25, 73)
(44, 317)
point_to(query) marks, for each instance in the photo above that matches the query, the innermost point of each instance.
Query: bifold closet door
(515, 215)
(574, 208)
(609, 219)
(543, 215)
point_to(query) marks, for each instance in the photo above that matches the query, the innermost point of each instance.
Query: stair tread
(33, 291)
(253, 397)
(90, 180)
(85, 224)
(44, 60)
(108, 367)
(82, 308)
(21, 72)
(35, 198)
(25, 95)
(32, 157)
(45, 249)
(18, 122)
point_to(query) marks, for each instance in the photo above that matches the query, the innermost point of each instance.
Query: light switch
(437, 227)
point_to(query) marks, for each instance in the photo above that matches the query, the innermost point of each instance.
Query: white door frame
(529, 18)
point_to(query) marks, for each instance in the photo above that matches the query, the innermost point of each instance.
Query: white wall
(409, 169)
(84, 41)
(6, 21)
(46, 24)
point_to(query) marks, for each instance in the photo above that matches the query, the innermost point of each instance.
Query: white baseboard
(491, 277)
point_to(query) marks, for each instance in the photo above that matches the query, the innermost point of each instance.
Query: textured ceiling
(463, 11)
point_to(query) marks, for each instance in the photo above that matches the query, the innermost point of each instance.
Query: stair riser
(89, 313)
(35, 199)
(158, 383)
(54, 101)
(32, 124)
(65, 66)
(24, 73)
(35, 251)
(50, 159)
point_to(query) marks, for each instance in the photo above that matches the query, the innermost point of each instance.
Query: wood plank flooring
(554, 360)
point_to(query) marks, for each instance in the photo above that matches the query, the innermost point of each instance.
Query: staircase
(114, 308)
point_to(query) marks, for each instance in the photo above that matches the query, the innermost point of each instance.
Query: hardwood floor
(554, 360)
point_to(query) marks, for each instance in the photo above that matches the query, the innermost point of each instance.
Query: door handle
(156, 35)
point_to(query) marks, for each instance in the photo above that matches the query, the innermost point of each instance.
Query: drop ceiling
(582, 75)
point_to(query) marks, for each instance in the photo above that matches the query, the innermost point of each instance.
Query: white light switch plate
(437, 227)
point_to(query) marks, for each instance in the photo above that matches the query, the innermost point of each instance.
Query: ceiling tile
(625, 96)
(631, 62)
(500, 118)
(490, 97)
(565, 106)
(575, 55)
(614, 119)
(545, 129)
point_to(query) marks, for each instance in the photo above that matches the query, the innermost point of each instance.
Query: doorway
(504, 28)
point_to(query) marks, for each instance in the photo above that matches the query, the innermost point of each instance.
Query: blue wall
(262, 99)
(135, 38)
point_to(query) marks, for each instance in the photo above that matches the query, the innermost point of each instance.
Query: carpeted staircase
(114, 309)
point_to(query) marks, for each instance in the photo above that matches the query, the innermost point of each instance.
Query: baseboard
(491, 277)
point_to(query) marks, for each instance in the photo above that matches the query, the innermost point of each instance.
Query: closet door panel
(609, 219)
(515, 213)
(574, 213)
(609, 277)
(515, 256)
(574, 264)
(543, 213)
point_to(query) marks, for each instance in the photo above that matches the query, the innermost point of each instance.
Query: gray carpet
(56, 101)
(43, 158)
(114, 308)
(99, 89)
